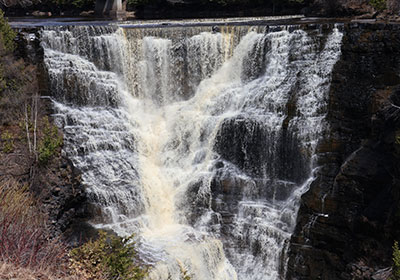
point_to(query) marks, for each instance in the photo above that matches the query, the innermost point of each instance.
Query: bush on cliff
(379, 5)
(17, 79)
(25, 240)
(108, 257)
(50, 143)
(396, 262)
(7, 35)
(8, 142)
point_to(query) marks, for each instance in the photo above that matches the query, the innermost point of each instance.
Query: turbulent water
(200, 140)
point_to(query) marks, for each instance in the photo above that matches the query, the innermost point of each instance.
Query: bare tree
(28, 138)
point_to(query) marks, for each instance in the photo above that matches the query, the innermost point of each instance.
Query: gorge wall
(349, 218)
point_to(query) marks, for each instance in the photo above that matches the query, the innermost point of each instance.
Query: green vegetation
(7, 46)
(8, 142)
(396, 262)
(379, 5)
(50, 143)
(108, 257)
(6, 33)
(17, 79)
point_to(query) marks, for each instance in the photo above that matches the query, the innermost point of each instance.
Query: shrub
(396, 262)
(17, 81)
(379, 5)
(50, 143)
(7, 34)
(108, 257)
(8, 142)
(25, 240)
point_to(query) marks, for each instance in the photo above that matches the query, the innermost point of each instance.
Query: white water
(201, 143)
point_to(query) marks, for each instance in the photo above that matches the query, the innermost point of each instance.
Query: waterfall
(199, 141)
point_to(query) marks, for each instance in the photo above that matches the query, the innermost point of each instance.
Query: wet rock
(254, 149)
(358, 183)
(62, 194)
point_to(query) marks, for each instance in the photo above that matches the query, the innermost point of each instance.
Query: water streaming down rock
(200, 142)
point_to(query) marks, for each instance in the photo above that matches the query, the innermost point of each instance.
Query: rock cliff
(349, 218)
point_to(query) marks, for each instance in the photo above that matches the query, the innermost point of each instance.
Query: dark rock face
(348, 219)
(256, 150)
(61, 194)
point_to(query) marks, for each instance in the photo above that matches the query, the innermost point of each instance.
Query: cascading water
(199, 142)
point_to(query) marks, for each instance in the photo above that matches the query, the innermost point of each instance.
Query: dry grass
(24, 237)
(11, 272)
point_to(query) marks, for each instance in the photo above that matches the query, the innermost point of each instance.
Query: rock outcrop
(349, 218)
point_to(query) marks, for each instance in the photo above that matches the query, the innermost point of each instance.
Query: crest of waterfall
(200, 142)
